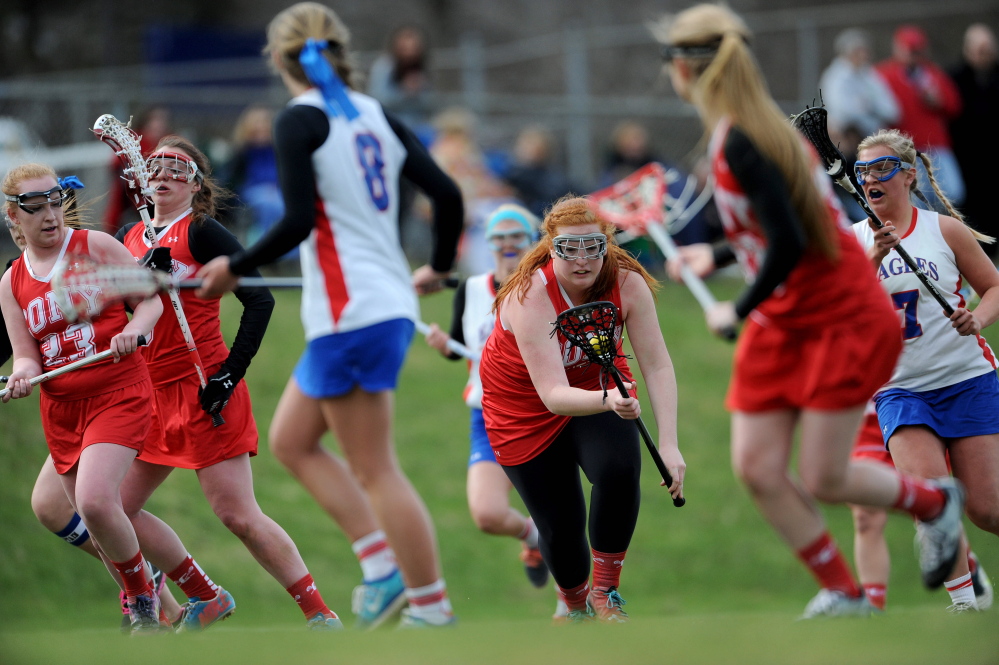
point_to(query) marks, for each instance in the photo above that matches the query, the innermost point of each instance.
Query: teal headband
(504, 215)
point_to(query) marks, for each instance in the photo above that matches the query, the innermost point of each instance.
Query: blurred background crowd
(516, 103)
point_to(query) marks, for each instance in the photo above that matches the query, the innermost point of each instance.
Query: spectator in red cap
(927, 99)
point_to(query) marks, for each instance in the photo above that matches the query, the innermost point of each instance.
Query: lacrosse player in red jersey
(819, 336)
(95, 418)
(184, 199)
(340, 157)
(510, 232)
(547, 413)
(942, 401)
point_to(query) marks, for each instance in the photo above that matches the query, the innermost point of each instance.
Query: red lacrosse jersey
(818, 291)
(61, 343)
(167, 355)
(518, 423)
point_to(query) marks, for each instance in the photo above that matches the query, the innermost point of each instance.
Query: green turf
(706, 583)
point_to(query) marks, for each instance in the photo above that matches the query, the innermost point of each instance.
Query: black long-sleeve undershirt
(207, 240)
(770, 199)
(6, 350)
(298, 132)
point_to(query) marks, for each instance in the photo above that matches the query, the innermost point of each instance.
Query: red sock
(877, 594)
(607, 569)
(309, 600)
(918, 498)
(827, 564)
(193, 581)
(575, 598)
(133, 575)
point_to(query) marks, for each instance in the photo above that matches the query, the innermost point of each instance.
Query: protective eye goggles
(519, 238)
(880, 169)
(32, 202)
(570, 247)
(172, 165)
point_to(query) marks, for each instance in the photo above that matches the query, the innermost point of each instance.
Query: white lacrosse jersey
(477, 323)
(354, 272)
(933, 355)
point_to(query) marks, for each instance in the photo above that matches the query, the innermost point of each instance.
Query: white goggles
(588, 246)
(172, 165)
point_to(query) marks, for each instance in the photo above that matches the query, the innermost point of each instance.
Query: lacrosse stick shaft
(249, 282)
(647, 438)
(454, 347)
(90, 360)
(844, 182)
(693, 282)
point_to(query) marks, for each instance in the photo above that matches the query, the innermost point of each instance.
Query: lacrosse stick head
(591, 327)
(125, 143)
(813, 124)
(83, 288)
(635, 202)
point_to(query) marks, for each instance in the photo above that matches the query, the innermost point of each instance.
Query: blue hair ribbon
(322, 75)
(70, 182)
(512, 214)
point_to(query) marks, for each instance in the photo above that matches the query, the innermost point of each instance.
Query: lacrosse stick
(90, 360)
(125, 143)
(453, 346)
(590, 327)
(812, 124)
(637, 203)
(82, 288)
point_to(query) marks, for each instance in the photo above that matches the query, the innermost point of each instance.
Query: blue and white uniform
(942, 380)
(477, 322)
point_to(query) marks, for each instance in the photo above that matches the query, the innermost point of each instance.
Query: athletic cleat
(939, 540)
(321, 623)
(580, 616)
(561, 612)
(829, 603)
(374, 603)
(144, 612)
(606, 605)
(983, 586)
(199, 614)
(962, 607)
(534, 566)
(409, 621)
(126, 619)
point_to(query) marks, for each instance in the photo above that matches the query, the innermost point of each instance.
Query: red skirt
(120, 417)
(182, 435)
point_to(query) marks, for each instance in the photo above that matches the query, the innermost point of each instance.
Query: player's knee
(238, 522)
(983, 514)
(488, 519)
(868, 521)
(757, 477)
(97, 509)
(53, 515)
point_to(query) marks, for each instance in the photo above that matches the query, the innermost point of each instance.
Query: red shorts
(182, 434)
(870, 445)
(120, 417)
(836, 367)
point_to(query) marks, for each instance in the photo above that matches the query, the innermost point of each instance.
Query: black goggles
(32, 202)
(669, 52)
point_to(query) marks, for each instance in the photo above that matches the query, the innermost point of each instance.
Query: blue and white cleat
(374, 603)
(321, 623)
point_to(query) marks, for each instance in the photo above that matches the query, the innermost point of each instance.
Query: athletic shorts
(833, 368)
(120, 417)
(968, 408)
(181, 434)
(370, 358)
(481, 450)
(869, 446)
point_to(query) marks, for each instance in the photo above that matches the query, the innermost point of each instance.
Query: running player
(340, 157)
(94, 419)
(819, 337)
(943, 397)
(547, 413)
(184, 199)
(510, 230)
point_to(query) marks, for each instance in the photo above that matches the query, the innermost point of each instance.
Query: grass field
(707, 583)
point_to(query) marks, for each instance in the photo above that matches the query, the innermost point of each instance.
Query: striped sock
(193, 581)
(430, 603)
(376, 557)
(530, 534)
(877, 594)
(961, 590)
(75, 532)
(824, 558)
(309, 600)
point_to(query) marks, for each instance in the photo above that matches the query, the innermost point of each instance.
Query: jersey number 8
(369, 155)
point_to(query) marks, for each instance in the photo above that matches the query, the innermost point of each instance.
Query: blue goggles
(880, 169)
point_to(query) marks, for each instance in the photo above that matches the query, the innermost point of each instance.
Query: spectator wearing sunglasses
(943, 396)
(548, 413)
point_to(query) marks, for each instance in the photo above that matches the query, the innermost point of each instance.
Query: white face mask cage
(173, 165)
(570, 247)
